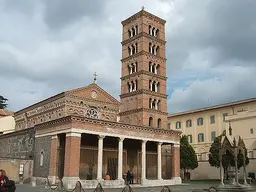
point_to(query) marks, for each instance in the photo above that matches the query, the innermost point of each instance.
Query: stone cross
(95, 77)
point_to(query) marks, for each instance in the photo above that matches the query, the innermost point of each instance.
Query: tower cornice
(143, 34)
(142, 53)
(143, 91)
(143, 13)
(143, 72)
(142, 110)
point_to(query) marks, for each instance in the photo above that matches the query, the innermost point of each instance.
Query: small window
(200, 121)
(150, 122)
(159, 123)
(190, 138)
(213, 135)
(212, 119)
(200, 137)
(178, 125)
(224, 116)
(169, 125)
(188, 123)
(251, 131)
(250, 154)
(41, 158)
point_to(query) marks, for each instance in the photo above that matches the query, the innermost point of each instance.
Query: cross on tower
(142, 8)
(95, 77)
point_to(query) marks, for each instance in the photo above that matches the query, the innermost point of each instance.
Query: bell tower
(143, 82)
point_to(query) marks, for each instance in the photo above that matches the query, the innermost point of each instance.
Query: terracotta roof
(213, 107)
(4, 112)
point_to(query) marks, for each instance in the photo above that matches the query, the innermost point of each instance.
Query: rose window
(92, 113)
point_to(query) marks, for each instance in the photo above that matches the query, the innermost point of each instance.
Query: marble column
(143, 160)
(100, 157)
(159, 161)
(120, 159)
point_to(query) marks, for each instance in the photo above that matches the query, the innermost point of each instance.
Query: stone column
(72, 158)
(143, 161)
(130, 50)
(155, 69)
(54, 159)
(159, 161)
(120, 159)
(151, 68)
(100, 157)
(236, 168)
(176, 163)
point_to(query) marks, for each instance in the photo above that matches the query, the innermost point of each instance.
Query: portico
(94, 148)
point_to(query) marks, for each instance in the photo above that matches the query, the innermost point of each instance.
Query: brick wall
(42, 144)
(175, 161)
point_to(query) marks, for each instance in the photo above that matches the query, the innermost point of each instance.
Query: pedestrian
(132, 177)
(6, 184)
(128, 177)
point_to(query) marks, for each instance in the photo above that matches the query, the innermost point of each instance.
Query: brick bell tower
(143, 92)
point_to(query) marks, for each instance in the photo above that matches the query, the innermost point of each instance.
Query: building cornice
(143, 91)
(142, 110)
(143, 13)
(143, 72)
(17, 132)
(142, 53)
(143, 34)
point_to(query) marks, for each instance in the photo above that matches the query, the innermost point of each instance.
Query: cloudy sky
(50, 46)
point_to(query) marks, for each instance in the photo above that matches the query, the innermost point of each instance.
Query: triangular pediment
(94, 92)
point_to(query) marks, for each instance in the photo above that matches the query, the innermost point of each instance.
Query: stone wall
(17, 145)
(42, 148)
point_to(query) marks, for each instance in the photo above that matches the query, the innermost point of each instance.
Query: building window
(188, 123)
(250, 154)
(159, 123)
(41, 158)
(169, 125)
(150, 122)
(251, 131)
(212, 119)
(190, 138)
(200, 121)
(213, 135)
(224, 116)
(178, 125)
(200, 137)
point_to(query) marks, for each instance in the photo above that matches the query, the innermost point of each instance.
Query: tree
(227, 159)
(3, 103)
(188, 158)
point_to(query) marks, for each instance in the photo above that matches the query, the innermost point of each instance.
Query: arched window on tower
(136, 28)
(159, 105)
(129, 33)
(159, 123)
(150, 123)
(154, 104)
(153, 68)
(153, 86)
(153, 50)
(136, 48)
(133, 31)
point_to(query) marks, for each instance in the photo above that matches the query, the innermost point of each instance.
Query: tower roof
(143, 13)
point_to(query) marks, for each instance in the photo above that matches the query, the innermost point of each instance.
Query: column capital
(73, 134)
(159, 143)
(144, 141)
(175, 145)
(54, 137)
(121, 139)
(101, 136)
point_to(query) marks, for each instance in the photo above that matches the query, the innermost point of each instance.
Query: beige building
(203, 125)
(7, 123)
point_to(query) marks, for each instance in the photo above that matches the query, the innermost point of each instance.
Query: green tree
(188, 158)
(3, 103)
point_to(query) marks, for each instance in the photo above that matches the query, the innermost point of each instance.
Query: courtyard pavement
(187, 187)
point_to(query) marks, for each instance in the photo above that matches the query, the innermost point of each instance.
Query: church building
(85, 134)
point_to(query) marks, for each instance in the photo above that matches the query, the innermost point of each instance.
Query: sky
(47, 47)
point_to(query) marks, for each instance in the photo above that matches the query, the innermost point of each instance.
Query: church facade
(85, 133)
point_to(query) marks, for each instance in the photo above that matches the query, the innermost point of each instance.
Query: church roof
(82, 92)
(4, 112)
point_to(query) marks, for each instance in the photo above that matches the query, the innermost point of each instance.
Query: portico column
(120, 159)
(72, 155)
(143, 160)
(176, 163)
(100, 157)
(159, 161)
(53, 158)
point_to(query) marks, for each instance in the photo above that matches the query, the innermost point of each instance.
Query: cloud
(47, 47)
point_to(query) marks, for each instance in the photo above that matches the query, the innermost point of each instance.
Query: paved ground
(188, 187)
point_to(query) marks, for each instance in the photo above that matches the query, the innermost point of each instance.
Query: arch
(178, 125)
(153, 68)
(154, 104)
(150, 122)
(159, 123)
